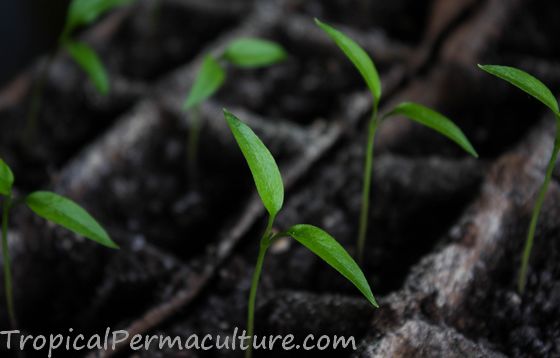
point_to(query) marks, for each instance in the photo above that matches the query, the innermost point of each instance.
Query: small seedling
(80, 13)
(244, 53)
(412, 111)
(50, 206)
(268, 182)
(538, 90)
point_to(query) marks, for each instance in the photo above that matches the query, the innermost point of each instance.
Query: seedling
(268, 182)
(413, 111)
(244, 53)
(50, 206)
(80, 13)
(538, 90)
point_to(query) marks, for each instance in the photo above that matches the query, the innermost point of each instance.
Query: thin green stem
(265, 243)
(7, 261)
(36, 101)
(368, 164)
(535, 216)
(192, 144)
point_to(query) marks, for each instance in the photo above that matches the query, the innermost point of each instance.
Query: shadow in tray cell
(71, 115)
(153, 195)
(403, 20)
(493, 115)
(413, 204)
(154, 39)
(532, 31)
(310, 84)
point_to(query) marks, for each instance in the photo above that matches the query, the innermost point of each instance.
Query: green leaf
(435, 121)
(526, 83)
(88, 60)
(208, 80)
(358, 56)
(6, 178)
(84, 12)
(328, 249)
(68, 214)
(263, 166)
(252, 52)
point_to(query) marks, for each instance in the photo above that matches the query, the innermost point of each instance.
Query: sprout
(413, 111)
(243, 52)
(268, 182)
(538, 90)
(80, 13)
(50, 206)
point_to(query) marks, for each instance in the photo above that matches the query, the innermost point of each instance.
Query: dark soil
(331, 200)
(402, 20)
(533, 32)
(161, 202)
(155, 39)
(71, 114)
(520, 326)
(305, 87)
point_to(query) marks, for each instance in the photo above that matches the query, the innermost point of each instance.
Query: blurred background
(28, 28)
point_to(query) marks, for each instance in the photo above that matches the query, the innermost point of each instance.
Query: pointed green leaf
(435, 121)
(88, 60)
(84, 12)
(6, 178)
(358, 56)
(252, 52)
(68, 214)
(526, 83)
(263, 166)
(328, 249)
(208, 80)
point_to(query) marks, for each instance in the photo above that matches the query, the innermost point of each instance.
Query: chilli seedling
(270, 188)
(80, 13)
(50, 206)
(538, 90)
(413, 111)
(244, 53)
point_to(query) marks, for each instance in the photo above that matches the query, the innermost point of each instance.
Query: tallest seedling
(537, 89)
(413, 111)
(271, 191)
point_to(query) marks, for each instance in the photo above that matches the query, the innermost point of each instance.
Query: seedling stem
(265, 243)
(7, 261)
(536, 211)
(373, 123)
